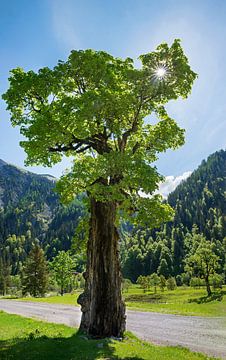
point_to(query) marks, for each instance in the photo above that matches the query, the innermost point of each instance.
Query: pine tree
(5, 271)
(35, 273)
(163, 268)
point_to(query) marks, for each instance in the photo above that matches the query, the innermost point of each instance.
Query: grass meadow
(23, 338)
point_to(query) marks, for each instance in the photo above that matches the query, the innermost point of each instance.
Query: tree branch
(136, 147)
(65, 148)
(127, 133)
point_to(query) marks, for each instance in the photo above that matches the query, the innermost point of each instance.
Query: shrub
(154, 281)
(144, 283)
(216, 281)
(179, 280)
(197, 282)
(185, 277)
(171, 283)
(126, 284)
(162, 283)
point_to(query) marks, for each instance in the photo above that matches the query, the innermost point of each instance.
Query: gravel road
(207, 335)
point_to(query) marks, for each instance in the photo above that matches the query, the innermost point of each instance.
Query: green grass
(183, 301)
(22, 338)
(66, 299)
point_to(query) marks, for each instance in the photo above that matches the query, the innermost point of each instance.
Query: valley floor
(182, 301)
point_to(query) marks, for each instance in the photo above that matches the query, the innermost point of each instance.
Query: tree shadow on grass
(206, 299)
(76, 347)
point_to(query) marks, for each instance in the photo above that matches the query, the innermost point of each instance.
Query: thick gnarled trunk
(103, 311)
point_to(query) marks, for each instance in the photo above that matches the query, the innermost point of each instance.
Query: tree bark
(103, 310)
(208, 289)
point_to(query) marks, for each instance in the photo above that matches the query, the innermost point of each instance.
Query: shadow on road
(206, 299)
(77, 347)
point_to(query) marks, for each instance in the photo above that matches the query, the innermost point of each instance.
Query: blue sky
(37, 33)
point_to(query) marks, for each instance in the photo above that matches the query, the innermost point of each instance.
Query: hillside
(29, 210)
(201, 199)
(200, 207)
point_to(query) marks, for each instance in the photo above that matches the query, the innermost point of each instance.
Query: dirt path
(201, 334)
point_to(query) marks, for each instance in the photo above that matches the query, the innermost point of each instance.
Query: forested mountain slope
(29, 210)
(201, 198)
(200, 207)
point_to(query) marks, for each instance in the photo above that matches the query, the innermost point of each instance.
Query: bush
(185, 277)
(126, 284)
(15, 286)
(179, 280)
(171, 283)
(144, 283)
(216, 281)
(154, 281)
(162, 283)
(197, 282)
(81, 281)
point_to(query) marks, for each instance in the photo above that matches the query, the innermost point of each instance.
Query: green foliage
(5, 271)
(186, 277)
(35, 273)
(199, 209)
(162, 282)
(179, 281)
(154, 281)
(171, 283)
(31, 209)
(94, 107)
(24, 217)
(163, 268)
(216, 281)
(15, 285)
(203, 261)
(144, 282)
(200, 201)
(196, 282)
(126, 284)
(63, 266)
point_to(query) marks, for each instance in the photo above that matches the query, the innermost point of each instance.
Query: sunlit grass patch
(22, 338)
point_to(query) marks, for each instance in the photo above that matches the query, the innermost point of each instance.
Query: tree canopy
(63, 266)
(97, 108)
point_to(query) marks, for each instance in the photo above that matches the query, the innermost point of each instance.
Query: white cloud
(169, 185)
(64, 24)
(171, 182)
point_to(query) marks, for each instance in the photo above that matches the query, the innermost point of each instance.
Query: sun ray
(160, 72)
